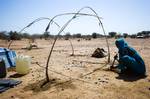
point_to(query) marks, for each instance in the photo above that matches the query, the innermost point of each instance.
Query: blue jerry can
(8, 56)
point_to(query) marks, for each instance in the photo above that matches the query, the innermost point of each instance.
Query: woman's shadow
(130, 76)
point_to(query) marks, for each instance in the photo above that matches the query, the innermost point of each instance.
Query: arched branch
(64, 26)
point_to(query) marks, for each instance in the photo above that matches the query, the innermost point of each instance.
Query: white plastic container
(23, 64)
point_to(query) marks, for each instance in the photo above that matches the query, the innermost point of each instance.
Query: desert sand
(80, 76)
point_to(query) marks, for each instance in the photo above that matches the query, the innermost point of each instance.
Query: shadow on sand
(54, 83)
(16, 75)
(130, 76)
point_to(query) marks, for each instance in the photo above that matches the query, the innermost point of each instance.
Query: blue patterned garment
(129, 58)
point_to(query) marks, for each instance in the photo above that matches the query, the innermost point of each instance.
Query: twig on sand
(71, 78)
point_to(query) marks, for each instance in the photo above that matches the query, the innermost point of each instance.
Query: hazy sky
(130, 16)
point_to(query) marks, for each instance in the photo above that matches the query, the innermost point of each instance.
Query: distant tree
(15, 35)
(94, 35)
(86, 37)
(78, 35)
(67, 36)
(112, 34)
(125, 35)
(99, 35)
(26, 35)
(133, 36)
(46, 35)
(144, 34)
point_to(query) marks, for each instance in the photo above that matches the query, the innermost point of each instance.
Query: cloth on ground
(99, 53)
(6, 84)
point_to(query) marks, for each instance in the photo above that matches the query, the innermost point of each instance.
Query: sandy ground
(79, 76)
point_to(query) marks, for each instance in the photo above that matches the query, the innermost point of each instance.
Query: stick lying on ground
(71, 78)
(93, 71)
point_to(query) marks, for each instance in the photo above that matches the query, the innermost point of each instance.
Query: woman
(129, 59)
